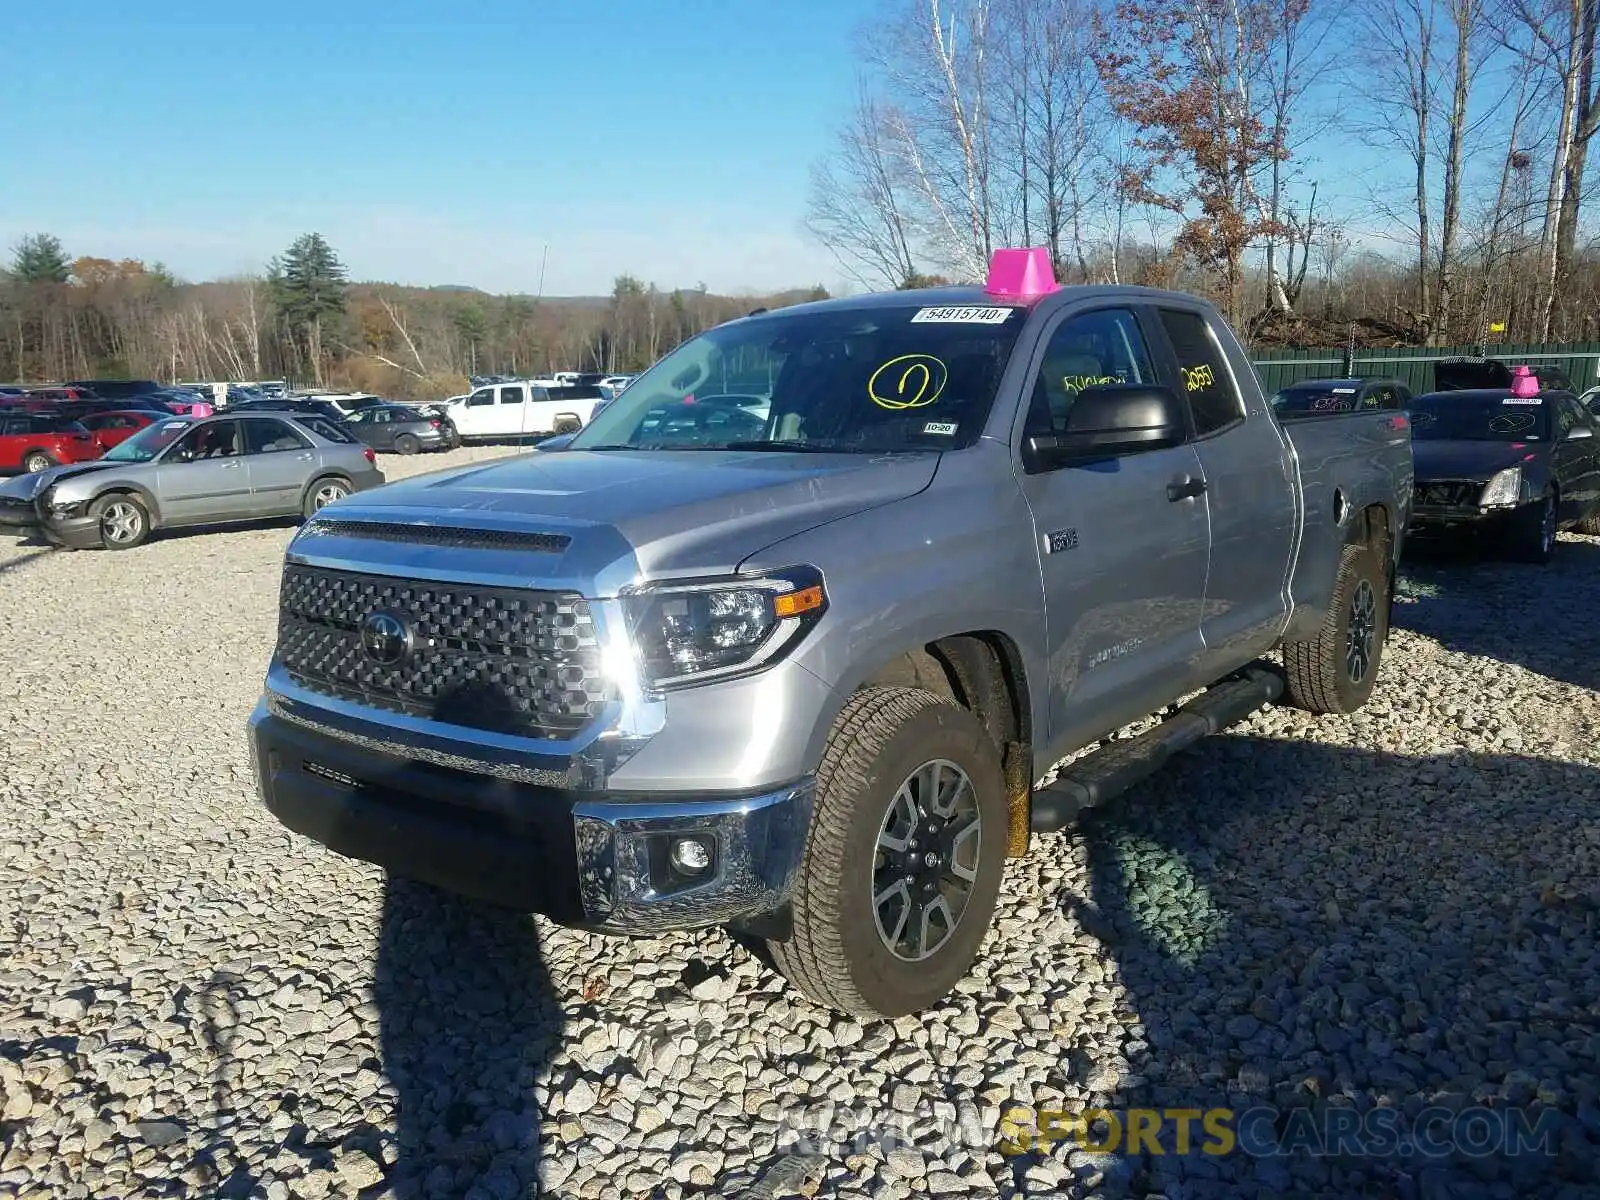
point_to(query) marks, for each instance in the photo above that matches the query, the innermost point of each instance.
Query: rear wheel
(1533, 531)
(37, 460)
(406, 443)
(124, 522)
(903, 858)
(1336, 671)
(323, 493)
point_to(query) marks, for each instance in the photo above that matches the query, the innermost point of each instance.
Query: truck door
(511, 414)
(1123, 542)
(474, 416)
(1250, 487)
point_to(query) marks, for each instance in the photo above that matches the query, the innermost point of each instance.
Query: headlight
(1504, 488)
(696, 632)
(61, 508)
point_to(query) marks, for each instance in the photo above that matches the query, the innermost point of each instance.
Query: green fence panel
(1413, 365)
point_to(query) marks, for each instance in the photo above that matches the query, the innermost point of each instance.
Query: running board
(1118, 765)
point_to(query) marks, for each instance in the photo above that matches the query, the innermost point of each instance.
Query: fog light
(690, 856)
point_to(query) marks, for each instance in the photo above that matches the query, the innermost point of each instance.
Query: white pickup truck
(526, 408)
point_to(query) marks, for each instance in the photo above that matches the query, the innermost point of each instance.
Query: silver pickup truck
(797, 669)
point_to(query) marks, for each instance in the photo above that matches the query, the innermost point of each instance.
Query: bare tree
(1399, 80)
(935, 58)
(1560, 44)
(859, 205)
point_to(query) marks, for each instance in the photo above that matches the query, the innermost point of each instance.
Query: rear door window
(270, 437)
(511, 395)
(327, 430)
(1205, 379)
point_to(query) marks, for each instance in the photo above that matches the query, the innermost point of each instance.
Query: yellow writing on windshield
(909, 381)
(1199, 378)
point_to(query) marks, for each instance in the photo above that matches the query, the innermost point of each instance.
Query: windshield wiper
(799, 447)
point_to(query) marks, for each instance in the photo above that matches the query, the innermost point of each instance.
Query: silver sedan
(182, 471)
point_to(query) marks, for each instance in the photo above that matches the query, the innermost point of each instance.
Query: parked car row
(50, 426)
(1507, 455)
(181, 471)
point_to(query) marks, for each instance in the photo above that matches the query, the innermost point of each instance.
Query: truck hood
(1448, 458)
(659, 514)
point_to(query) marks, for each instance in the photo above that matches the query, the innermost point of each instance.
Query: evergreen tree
(39, 258)
(307, 287)
(308, 283)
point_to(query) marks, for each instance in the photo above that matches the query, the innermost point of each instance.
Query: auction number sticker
(963, 316)
(944, 427)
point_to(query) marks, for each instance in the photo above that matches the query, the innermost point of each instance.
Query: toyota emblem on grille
(385, 638)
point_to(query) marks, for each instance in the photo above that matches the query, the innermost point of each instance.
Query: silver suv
(180, 472)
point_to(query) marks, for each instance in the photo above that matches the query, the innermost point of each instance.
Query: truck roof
(975, 295)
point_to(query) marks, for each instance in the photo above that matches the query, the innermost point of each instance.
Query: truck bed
(1345, 462)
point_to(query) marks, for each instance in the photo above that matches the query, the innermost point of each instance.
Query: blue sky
(430, 143)
(433, 144)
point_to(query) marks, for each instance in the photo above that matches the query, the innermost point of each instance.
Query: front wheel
(1533, 531)
(124, 522)
(323, 493)
(1336, 671)
(903, 858)
(36, 461)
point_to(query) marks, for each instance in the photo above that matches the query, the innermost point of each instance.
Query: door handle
(1186, 487)
(230, 464)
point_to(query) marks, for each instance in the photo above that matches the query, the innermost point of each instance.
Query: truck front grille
(497, 659)
(1447, 493)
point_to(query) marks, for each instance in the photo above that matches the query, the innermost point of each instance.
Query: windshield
(1476, 417)
(147, 443)
(854, 380)
(1318, 398)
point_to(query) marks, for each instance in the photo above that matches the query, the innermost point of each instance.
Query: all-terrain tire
(1328, 673)
(836, 955)
(1532, 535)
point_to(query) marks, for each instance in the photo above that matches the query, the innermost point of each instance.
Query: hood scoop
(453, 536)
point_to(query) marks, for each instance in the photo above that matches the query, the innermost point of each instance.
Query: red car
(38, 441)
(109, 428)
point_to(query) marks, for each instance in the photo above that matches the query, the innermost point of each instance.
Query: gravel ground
(1396, 910)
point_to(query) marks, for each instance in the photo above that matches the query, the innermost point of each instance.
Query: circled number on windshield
(909, 381)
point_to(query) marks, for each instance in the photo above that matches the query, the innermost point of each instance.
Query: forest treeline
(64, 317)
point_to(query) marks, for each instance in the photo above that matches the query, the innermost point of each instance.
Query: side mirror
(1107, 420)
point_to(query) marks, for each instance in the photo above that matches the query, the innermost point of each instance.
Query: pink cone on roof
(1021, 273)
(1524, 382)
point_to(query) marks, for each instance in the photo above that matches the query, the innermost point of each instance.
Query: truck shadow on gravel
(1301, 927)
(469, 1021)
(1507, 611)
